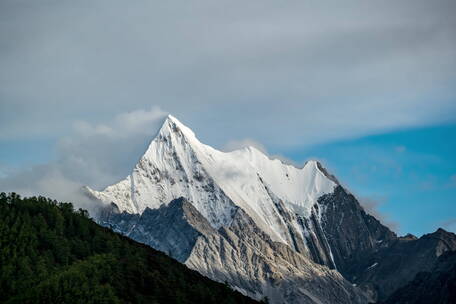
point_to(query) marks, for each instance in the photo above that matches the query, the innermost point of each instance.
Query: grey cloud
(372, 205)
(94, 155)
(100, 154)
(48, 180)
(449, 224)
(285, 74)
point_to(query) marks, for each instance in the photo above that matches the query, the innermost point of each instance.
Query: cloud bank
(285, 74)
(94, 155)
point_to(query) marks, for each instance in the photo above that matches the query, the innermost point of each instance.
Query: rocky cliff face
(173, 229)
(339, 232)
(394, 266)
(240, 254)
(367, 253)
(435, 285)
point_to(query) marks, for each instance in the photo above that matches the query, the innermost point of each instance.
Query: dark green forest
(50, 253)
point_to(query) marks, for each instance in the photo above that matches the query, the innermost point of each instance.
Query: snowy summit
(176, 164)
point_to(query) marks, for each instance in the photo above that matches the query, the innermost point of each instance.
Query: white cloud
(247, 142)
(243, 143)
(86, 129)
(94, 155)
(123, 124)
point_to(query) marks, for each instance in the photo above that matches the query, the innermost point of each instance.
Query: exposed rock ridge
(395, 266)
(436, 285)
(240, 254)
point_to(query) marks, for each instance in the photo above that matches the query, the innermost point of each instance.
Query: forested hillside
(50, 253)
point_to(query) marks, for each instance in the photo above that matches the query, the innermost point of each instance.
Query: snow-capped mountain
(177, 164)
(266, 228)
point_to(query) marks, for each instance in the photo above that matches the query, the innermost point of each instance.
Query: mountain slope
(294, 220)
(224, 189)
(394, 266)
(241, 254)
(437, 285)
(52, 254)
(349, 231)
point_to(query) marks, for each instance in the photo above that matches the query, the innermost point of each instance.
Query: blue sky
(410, 174)
(24, 153)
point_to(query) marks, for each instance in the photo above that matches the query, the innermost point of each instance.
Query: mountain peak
(325, 172)
(177, 164)
(172, 125)
(171, 117)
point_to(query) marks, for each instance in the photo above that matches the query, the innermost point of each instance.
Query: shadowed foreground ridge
(50, 253)
(435, 286)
